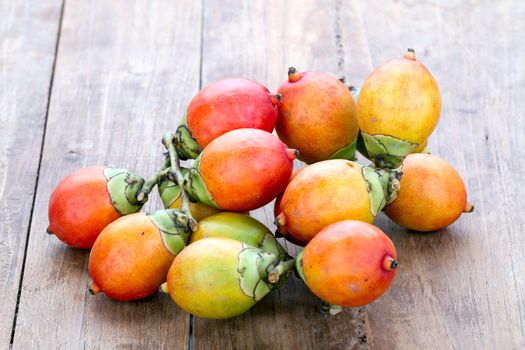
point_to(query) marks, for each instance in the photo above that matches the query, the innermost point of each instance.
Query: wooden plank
(28, 32)
(260, 40)
(462, 287)
(124, 73)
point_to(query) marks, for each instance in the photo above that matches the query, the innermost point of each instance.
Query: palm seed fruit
(317, 116)
(398, 108)
(348, 264)
(131, 257)
(222, 278)
(432, 194)
(225, 105)
(330, 191)
(88, 199)
(241, 170)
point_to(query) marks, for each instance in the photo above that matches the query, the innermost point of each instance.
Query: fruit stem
(175, 175)
(279, 270)
(149, 184)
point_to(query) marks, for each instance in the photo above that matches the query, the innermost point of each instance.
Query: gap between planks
(50, 88)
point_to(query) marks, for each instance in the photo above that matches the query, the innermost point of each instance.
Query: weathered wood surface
(28, 35)
(124, 73)
(463, 287)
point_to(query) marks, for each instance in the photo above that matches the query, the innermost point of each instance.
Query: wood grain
(260, 40)
(462, 287)
(28, 35)
(124, 73)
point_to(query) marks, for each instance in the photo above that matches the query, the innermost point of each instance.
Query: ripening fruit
(131, 257)
(432, 194)
(349, 263)
(225, 105)
(317, 116)
(222, 278)
(398, 108)
(330, 191)
(241, 170)
(88, 199)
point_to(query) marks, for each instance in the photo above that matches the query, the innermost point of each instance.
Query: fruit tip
(292, 153)
(280, 221)
(48, 230)
(410, 54)
(293, 75)
(389, 263)
(94, 289)
(469, 208)
(275, 98)
(164, 287)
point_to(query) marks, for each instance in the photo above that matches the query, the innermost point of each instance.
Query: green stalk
(281, 269)
(149, 184)
(175, 175)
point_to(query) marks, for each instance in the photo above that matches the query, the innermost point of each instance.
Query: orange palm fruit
(330, 191)
(432, 194)
(225, 105)
(317, 116)
(241, 170)
(88, 199)
(349, 263)
(398, 108)
(131, 257)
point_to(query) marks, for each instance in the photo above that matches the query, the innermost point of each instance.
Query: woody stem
(175, 175)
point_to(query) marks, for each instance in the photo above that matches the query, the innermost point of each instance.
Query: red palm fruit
(241, 170)
(131, 257)
(349, 263)
(225, 105)
(88, 199)
(432, 194)
(317, 116)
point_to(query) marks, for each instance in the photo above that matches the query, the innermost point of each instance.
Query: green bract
(186, 146)
(383, 185)
(260, 271)
(195, 186)
(174, 228)
(386, 151)
(347, 152)
(123, 188)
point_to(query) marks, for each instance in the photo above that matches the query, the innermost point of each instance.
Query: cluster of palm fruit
(208, 253)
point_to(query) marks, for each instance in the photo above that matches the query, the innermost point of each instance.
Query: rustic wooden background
(98, 82)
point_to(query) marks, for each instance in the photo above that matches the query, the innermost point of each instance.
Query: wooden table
(98, 82)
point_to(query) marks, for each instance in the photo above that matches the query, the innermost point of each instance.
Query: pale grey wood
(260, 40)
(28, 35)
(462, 287)
(124, 73)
